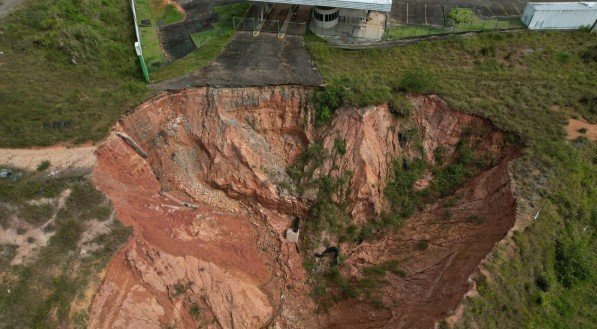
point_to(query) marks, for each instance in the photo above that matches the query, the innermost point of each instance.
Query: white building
(559, 15)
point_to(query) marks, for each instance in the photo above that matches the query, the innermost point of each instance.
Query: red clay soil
(226, 151)
(458, 236)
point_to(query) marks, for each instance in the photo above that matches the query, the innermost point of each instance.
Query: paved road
(264, 60)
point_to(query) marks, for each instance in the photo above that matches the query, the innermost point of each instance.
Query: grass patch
(40, 293)
(68, 71)
(164, 13)
(210, 44)
(150, 42)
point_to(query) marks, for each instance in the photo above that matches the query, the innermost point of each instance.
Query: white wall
(558, 19)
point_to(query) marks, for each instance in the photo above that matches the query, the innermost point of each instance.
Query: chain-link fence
(477, 25)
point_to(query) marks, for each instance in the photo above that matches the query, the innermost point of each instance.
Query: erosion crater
(203, 179)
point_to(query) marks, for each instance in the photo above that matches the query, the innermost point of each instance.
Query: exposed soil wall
(224, 152)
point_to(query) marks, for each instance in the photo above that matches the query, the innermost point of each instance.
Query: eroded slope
(213, 198)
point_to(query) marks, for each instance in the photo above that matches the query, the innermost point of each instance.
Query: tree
(460, 15)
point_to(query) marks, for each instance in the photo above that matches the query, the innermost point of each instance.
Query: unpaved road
(7, 6)
(61, 158)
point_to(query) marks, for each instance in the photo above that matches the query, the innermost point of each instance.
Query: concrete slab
(264, 60)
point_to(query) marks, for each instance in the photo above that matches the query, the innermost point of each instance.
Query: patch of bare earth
(581, 128)
(205, 188)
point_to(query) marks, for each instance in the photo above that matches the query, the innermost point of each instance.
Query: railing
(490, 24)
(138, 47)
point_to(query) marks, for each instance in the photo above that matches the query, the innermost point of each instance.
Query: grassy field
(210, 44)
(50, 290)
(528, 83)
(67, 72)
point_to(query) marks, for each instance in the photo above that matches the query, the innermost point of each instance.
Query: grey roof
(564, 5)
(378, 5)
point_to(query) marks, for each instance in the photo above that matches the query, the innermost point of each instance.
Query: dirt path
(61, 158)
(7, 6)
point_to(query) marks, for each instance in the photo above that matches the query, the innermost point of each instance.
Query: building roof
(564, 5)
(378, 5)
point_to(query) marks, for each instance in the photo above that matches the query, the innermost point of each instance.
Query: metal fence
(490, 24)
(138, 44)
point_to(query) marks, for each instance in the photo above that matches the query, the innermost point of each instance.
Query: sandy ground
(574, 125)
(7, 6)
(61, 158)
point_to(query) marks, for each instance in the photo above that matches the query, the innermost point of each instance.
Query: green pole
(144, 68)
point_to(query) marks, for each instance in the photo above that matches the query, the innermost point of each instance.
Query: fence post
(497, 21)
(484, 21)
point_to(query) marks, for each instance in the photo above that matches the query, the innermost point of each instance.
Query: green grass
(150, 42)
(210, 44)
(529, 83)
(40, 293)
(167, 13)
(477, 23)
(66, 61)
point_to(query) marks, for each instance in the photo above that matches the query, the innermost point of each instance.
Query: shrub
(332, 97)
(340, 146)
(422, 244)
(195, 311)
(460, 15)
(400, 106)
(324, 115)
(43, 165)
(418, 81)
(572, 263)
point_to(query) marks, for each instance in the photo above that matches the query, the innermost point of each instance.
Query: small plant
(340, 146)
(564, 57)
(440, 154)
(582, 130)
(422, 244)
(180, 288)
(475, 219)
(400, 106)
(460, 15)
(43, 165)
(195, 311)
(324, 115)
